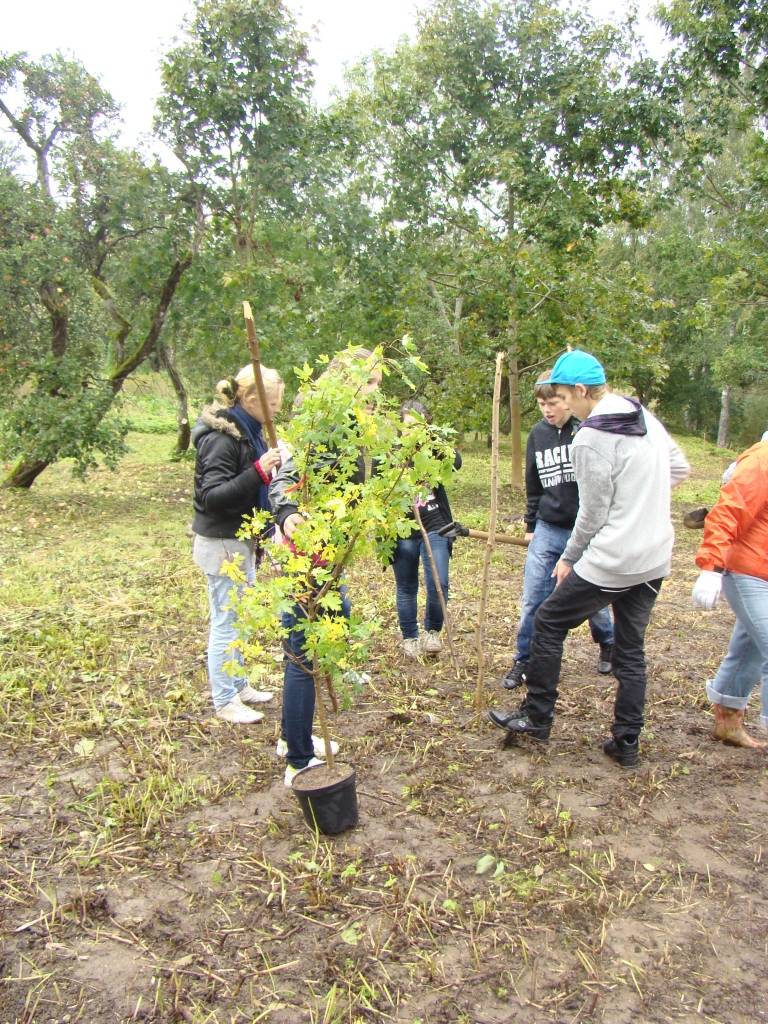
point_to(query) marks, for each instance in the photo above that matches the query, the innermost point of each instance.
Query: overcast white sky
(122, 43)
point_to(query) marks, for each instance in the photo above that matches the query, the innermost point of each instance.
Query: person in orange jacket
(733, 559)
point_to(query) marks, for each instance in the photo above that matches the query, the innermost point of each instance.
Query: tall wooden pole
(514, 418)
(253, 347)
(491, 542)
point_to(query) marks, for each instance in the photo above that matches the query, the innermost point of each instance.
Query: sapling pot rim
(329, 807)
(316, 776)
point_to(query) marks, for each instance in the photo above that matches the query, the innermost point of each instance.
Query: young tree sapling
(334, 423)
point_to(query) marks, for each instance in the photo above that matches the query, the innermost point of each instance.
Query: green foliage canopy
(344, 519)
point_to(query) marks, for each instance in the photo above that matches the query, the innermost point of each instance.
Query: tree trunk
(124, 324)
(24, 474)
(57, 310)
(513, 373)
(168, 360)
(127, 367)
(453, 324)
(458, 306)
(725, 417)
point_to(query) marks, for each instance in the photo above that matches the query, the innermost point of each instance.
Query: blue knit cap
(576, 367)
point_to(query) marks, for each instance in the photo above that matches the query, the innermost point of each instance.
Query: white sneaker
(291, 772)
(357, 680)
(250, 696)
(237, 712)
(318, 747)
(412, 648)
(433, 642)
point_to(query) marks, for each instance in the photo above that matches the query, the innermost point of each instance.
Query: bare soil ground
(155, 868)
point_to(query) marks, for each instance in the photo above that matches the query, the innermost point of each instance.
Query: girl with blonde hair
(233, 470)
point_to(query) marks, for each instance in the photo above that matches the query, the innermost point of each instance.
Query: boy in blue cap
(552, 501)
(618, 553)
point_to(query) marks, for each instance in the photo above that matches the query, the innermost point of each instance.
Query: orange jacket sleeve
(741, 500)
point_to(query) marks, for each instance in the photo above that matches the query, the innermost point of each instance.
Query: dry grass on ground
(155, 868)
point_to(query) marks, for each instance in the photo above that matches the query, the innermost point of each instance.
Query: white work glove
(706, 590)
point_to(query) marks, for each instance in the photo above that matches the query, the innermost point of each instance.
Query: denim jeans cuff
(725, 699)
(223, 703)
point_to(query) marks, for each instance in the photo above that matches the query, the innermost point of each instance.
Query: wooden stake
(501, 538)
(253, 347)
(325, 732)
(491, 543)
(514, 419)
(439, 589)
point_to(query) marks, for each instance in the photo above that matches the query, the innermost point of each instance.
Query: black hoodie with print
(550, 485)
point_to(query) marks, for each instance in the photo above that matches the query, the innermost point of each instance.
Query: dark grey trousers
(568, 606)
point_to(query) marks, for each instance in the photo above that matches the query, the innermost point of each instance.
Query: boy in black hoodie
(551, 509)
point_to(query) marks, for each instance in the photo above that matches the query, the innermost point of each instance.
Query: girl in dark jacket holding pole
(233, 469)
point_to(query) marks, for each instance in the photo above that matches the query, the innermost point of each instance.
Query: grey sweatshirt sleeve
(679, 469)
(282, 490)
(593, 474)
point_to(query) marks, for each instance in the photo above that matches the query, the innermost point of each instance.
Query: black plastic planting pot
(329, 807)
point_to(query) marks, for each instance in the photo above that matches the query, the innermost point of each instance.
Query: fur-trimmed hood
(214, 417)
(228, 484)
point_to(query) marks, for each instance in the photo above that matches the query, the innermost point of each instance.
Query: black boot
(604, 659)
(517, 723)
(516, 676)
(624, 751)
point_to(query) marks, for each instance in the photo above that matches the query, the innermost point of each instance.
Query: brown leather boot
(729, 728)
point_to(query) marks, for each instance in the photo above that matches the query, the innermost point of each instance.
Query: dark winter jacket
(227, 485)
(434, 508)
(550, 484)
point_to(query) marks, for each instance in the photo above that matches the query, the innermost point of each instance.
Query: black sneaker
(624, 751)
(604, 658)
(516, 676)
(519, 724)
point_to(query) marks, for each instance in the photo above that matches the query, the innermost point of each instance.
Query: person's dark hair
(414, 405)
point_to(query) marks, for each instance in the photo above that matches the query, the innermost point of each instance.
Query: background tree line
(516, 176)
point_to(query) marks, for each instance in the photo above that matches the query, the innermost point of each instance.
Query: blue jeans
(222, 633)
(299, 686)
(408, 552)
(544, 552)
(746, 662)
